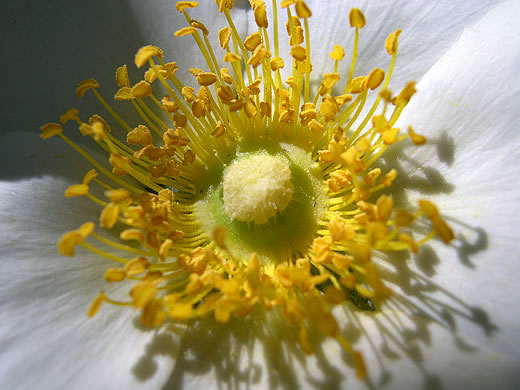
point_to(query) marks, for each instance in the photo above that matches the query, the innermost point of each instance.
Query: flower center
(256, 188)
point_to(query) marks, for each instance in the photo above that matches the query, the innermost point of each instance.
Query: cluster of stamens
(181, 271)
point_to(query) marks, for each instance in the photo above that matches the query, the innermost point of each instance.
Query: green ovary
(290, 230)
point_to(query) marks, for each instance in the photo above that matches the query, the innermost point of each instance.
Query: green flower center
(270, 202)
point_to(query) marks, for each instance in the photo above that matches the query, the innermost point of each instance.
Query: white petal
(47, 340)
(469, 105)
(429, 29)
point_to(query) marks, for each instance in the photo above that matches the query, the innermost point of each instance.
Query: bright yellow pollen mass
(256, 188)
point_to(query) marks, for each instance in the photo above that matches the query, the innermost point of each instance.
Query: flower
(124, 340)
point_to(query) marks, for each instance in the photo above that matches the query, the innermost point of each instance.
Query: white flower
(465, 60)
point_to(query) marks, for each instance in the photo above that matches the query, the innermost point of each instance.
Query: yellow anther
(337, 53)
(89, 176)
(71, 114)
(224, 4)
(265, 109)
(198, 109)
(329, 108)
(139, 136)
(145, 53)
(252, 41)
(384, 207)
(339, 180)
(260, 14)
(407, 239)
(330, 79)
(164, 249)
(206, 78)
(352, 159)
(142, 89)
(363, 144)
(304, 341)
(359, 363)
(231, 57)
(153, 314)
(180, 119)
(443, 230)
(406, 94)
(136, 266)
(150, 75)
(114, 275)
(185, 31)
(182, 5)
(181, 311)
(250, 108)
(50, 130)
(132, 234)
(386, 94)
(339, 230)
(356, 18)
(298, 53)
(429, 209)
(142, 294)
(224, 35)
(258, 56)
(98, 119)
(342, 261)
(254, 87)
(118, 196)
(225, 93)
(122, 78)
(391, 43)
(362, 252)
(390, 136)
(68, 242)
(315, 126)
(417, 139)
(302, 10)
(403, 218)
(388, 178)
(375, 78)
(124, 93)
(96, 304)
(371, 177)
(219, 130)
(374, 280)
(188, 94)
(189, 157)
(226, 76)
(297, 36)
(287, 3)
(358, 84)
(295, 22)
(86, 229)
(109, 215)
(76, 190)
(277, 63)
(168, 105)
(85, 85)
(380, 123)
(200, 26)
